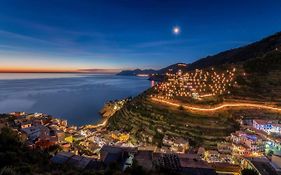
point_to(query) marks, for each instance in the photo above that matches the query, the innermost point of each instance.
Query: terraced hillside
(149, 122)
(258, 79)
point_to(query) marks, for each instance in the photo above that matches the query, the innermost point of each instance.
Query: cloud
(99, 70)
(26, 38)
(17, 42)
(159, 43)
(9, 47)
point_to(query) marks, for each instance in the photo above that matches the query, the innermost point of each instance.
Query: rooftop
(263, 166)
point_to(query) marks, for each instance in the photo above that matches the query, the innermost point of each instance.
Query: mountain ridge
(240, 54)
(174, 68)
(231, 56)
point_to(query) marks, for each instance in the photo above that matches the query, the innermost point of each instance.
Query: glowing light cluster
(197, 84)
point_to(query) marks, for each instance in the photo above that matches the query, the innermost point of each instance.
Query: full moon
(176, 30)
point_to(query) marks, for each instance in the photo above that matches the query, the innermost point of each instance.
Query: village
(256, 145)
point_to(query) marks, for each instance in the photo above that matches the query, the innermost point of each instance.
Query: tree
(248, 171)
(16, 158)
(7, 171)
(270, 153)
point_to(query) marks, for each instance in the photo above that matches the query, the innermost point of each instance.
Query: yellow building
(69, 139)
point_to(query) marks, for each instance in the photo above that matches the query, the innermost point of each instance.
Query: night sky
(122, 34)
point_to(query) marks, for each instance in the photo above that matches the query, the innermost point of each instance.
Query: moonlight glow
(176, 30)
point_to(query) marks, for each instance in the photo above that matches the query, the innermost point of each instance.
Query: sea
(75, 97)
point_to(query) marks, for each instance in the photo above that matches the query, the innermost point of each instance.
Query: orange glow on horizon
(33, 70)
(53, 70)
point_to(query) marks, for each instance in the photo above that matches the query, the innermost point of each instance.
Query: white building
(269, 126)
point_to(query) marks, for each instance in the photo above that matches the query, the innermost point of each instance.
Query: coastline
(78, 99)
(43, 131)
(108, 110)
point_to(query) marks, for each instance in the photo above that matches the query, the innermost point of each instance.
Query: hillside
(232, 56)
(251, 73)
(240, 54)
(136, 72)
(150, 122)
(172, 68)
(261, 80)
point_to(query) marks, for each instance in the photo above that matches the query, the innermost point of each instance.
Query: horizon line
(64, 72)
(93, 71)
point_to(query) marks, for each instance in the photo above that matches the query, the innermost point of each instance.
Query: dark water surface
(75, 97)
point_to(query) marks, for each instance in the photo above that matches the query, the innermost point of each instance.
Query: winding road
(197, 108)
(219, 107)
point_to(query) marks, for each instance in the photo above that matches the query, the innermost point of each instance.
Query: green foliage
(270, 153)
(16, 158)
(146, 117)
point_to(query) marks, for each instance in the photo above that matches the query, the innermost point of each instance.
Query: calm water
(75, 97)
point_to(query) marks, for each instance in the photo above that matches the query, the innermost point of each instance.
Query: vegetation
(265, 64)
(241, 54)
(149, 122)
(17, 159)
(259, 79)
(262, 81)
